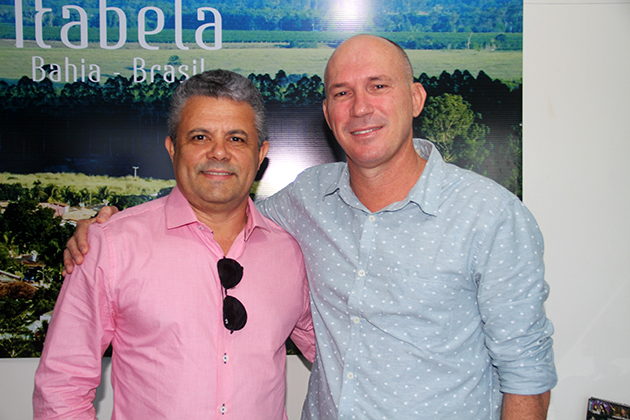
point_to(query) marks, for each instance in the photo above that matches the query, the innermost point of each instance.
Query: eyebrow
(238, 131)
(196, 131)
(378, 77)
(235, 131)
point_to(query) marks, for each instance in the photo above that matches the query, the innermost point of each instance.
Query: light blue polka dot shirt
(427, 309)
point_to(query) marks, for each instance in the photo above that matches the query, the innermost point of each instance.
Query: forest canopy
(476, 16)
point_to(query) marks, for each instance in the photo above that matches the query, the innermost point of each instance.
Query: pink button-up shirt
(149, 285)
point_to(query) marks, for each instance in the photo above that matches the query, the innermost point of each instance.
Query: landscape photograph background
(83, 125)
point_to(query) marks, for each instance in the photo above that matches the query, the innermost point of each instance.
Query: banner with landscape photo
(84, 89)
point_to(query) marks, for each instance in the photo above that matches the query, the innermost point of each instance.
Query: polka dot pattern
(427, 309)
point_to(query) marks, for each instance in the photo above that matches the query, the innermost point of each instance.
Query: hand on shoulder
(77, 245)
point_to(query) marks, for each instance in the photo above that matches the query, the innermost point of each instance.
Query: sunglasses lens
(230, 272)
(234, 314)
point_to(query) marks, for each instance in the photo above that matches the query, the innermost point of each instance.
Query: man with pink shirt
(205, 344)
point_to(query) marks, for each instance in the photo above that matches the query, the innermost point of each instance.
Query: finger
(105, 213)
(68, 264)
(78, 244)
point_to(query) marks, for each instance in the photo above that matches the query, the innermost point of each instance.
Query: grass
(127, 185)
(251, 58)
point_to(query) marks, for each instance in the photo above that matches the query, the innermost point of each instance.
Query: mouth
(216, 173)
(366, 131)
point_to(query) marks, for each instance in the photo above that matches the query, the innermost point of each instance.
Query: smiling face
(216, 155)
(371, 101)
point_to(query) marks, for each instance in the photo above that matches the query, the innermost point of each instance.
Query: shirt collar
(255, 220)
(180, 213)
(341, 186)
(425, 194)
(178, 210)
(342, 180)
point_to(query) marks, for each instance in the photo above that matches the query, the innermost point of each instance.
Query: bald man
(427, 281)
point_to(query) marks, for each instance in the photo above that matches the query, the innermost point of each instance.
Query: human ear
(170, 147)
(262, 152)
(419, 96)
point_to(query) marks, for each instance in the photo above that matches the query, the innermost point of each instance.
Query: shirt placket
(225, 376)
(352, 362)
(225, 371)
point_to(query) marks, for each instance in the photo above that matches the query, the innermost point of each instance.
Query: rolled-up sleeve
(80, 331)
(511, 292)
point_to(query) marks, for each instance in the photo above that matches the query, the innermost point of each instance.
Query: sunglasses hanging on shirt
(234, 313)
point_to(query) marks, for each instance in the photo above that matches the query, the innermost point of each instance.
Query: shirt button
(350, 375)
(223, 409)
(361, 273)
(225, 358)
(356, 320)
(371, 218)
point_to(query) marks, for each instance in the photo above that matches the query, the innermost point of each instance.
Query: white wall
(577, 183)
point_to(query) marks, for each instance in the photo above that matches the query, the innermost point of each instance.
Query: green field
(127, 185)
(250, 58)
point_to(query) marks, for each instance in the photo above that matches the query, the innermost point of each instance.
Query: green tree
(125, 201)
(471, 150)
(28, 227)
(103, 194)
(16, 307)
(37, 192)
(269, 88)
(52, 192)
(45, 297)
(7, 263)
(515, 145)
(12, 192)
(449, 122)
(68, 194)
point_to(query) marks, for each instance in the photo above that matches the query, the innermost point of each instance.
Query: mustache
(217, 168)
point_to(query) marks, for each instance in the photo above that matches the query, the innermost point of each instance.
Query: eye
(236, 139)
(199, 137)
(340, 94)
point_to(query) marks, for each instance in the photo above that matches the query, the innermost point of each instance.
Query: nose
(217, 150)
(361, 105)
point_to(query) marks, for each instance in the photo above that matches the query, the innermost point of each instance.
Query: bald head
(356, 47)
(371, 101)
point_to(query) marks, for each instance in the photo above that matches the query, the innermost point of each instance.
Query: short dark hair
(218, 84)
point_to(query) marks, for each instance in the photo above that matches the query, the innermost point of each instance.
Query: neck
(225, 225)
(379, 187)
